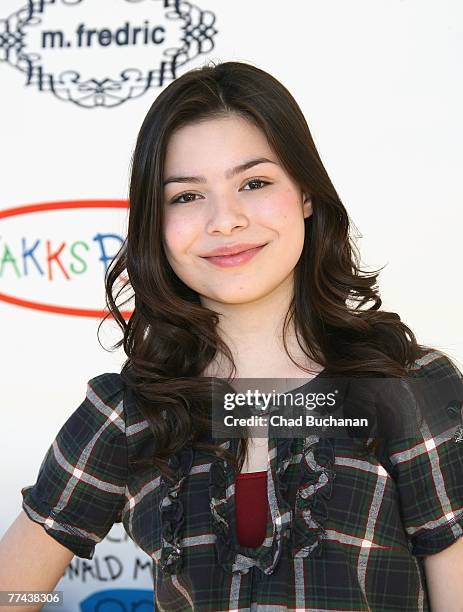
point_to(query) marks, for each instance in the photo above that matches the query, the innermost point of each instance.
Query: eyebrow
(230, 173)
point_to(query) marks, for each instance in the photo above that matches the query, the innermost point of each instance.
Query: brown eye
(183, 195)
(191, 197)
(257, 181)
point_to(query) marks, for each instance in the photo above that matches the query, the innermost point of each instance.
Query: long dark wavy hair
(170, 338)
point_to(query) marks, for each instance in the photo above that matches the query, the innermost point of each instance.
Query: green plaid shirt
(344, 532)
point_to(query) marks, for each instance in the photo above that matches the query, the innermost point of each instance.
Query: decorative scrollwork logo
(53, 45)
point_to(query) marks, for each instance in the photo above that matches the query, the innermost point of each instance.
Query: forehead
(215, 144)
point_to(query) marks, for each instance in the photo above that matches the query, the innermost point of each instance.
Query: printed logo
(56, 262)
(123, 600)
(93, 57)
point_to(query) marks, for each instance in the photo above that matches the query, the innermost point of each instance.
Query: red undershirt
(251, 508)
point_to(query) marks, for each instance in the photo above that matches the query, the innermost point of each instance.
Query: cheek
(280, 210)
(177, 234)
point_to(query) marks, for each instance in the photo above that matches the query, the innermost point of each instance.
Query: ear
(307, 206)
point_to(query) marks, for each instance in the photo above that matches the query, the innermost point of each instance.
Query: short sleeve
(80, 489)
(428, 469)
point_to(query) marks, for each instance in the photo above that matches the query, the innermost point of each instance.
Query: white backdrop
(379, 83)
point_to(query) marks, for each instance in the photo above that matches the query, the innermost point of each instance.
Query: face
(207, 206)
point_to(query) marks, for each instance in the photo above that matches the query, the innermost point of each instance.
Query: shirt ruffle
(315, 489)
(306, 520)
(233, 557)
(300, 526)
(172, 511)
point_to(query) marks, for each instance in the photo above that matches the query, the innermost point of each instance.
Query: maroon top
(251, 508)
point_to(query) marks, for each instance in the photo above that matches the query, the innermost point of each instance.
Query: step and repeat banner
(378, 81)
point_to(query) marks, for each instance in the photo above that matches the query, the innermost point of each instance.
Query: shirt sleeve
(428, 469)
(80, 489)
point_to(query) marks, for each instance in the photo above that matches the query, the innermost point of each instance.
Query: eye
(183, 195)
(253, 181)
(257, 181)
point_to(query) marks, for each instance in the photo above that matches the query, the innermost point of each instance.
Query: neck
(254, 333)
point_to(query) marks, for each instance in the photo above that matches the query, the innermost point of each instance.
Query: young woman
(225, 164)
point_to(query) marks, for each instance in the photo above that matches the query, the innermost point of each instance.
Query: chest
(257, 456)
(300, 483)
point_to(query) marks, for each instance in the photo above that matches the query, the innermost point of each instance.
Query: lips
(232, 249)
(236, 259)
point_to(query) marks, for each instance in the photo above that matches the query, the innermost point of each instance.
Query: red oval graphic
(60, 205)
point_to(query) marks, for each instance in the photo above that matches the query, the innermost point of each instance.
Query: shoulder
(113, 399)
(104, 400)
(110, 390)
(435, 363)
(108, 386)
(111, 405)
(439, 381)
(100, 416)
(80, 487)
(427, 467)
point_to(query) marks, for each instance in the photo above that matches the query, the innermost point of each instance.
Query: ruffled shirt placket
(300, 526)
(172, 514)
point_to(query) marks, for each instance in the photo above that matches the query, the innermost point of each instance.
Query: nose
(226, 213)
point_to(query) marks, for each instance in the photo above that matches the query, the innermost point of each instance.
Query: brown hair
(170, 338)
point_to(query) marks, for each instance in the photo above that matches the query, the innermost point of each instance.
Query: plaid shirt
(344, 532)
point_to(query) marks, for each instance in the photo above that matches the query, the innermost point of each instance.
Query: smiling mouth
(227, 251)
(237, 259)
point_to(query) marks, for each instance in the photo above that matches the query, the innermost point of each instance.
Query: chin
(238, 296)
